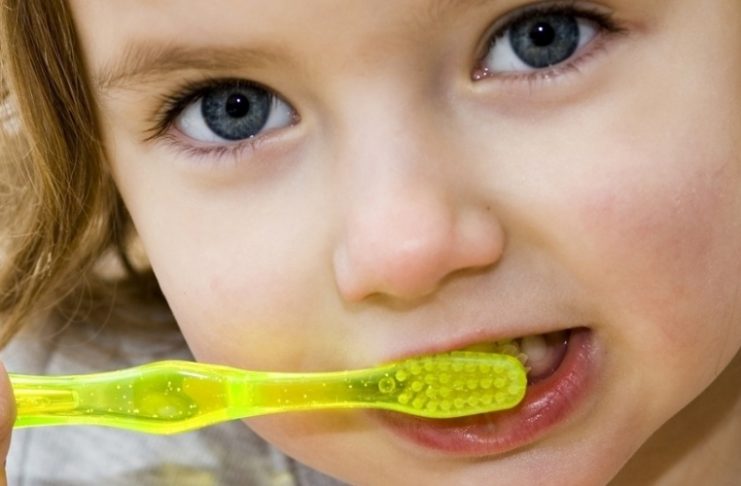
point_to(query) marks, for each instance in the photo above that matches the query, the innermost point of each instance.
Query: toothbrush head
(455, 384)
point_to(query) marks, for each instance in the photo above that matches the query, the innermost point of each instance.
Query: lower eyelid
(198, 156)
(234, 162)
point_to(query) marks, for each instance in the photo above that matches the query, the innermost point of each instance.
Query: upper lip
(478, 336)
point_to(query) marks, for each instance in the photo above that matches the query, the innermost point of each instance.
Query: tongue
(545, 353)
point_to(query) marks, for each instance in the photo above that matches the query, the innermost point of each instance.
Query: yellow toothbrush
(175, 396)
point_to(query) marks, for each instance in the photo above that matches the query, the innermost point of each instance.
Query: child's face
(411, 189)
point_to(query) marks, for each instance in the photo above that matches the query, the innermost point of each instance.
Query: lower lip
(547, 403)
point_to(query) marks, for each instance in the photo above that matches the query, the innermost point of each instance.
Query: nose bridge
(387, 140)
(406, 224)
(389, 168)
(392, 163)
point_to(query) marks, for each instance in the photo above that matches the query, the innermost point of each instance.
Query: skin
(411, 205)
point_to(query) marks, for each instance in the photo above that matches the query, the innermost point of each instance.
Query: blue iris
(544, 40)
(236, 112)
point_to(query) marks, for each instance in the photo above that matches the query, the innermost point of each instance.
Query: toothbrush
(175, 396)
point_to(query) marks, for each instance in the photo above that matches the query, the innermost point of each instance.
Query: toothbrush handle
(34, 396)
(174, 396)
(163, 397)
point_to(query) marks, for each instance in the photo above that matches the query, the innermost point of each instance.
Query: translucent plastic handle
(161, 397)
(175, 396)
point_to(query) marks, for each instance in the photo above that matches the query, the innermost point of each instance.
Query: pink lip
(546, 404)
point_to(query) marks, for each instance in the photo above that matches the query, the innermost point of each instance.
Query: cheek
(665, 229)
(659, 241)
(658, 227)
(237, 302)
(244, 274)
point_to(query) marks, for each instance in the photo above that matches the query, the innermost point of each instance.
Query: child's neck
(700, 445)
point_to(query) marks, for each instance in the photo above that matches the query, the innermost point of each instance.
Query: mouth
(560, 371)
(541, 354)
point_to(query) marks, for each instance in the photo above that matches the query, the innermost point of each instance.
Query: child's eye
(542, 37)
(230, 112)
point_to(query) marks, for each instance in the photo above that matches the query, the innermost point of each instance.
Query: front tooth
(535, 347)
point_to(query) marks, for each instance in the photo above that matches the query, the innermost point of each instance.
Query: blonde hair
(59, 209)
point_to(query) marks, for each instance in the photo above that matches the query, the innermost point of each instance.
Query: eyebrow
(142, 61)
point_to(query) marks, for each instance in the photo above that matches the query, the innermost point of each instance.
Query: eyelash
(172, 104)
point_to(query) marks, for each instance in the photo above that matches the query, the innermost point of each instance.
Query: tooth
(535, 347)
(511, 347)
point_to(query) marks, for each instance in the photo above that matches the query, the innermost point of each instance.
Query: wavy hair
(59, 210)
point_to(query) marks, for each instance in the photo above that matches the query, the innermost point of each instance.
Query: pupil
(237, 106)
(543, 34)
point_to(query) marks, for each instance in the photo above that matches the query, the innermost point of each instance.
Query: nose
(405, 231)
(405, 245)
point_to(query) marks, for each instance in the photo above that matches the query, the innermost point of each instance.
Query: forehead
(106, 24)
